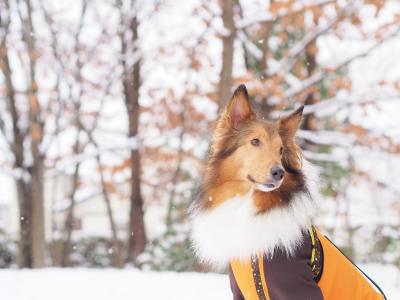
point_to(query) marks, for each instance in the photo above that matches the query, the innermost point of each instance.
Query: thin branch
(178, 168)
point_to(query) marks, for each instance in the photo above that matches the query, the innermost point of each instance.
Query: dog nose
(277, 173)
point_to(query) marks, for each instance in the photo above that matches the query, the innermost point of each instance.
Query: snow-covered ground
(106, 284)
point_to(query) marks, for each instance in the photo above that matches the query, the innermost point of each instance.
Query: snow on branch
(289, 62)
(269, 17)
(305, 84)
(325, 137)
(343, 155)
(16, 173)
(326, 157)
(253, 49)
(131, 143)
(330, 106)
(318, 76)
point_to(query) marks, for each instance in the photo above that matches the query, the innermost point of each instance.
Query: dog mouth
(268, 186)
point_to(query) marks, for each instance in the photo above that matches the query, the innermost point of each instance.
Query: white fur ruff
(233, 230)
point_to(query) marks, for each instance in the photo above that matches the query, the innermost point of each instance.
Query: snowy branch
(269, 17)
(330, 106)
(253, 49)
(327, 157)
(288, 63)
(325, 137)
(318, 76)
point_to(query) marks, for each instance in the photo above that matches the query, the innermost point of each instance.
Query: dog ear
(289, 125)
(238, 109)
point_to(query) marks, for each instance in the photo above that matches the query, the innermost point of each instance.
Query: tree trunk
(225, 83)
(137, 237)
(131, 85)
(310, 122)
(117, 255)
(25, 257)
(69, 221)
(31, 213)
(36, 136)
(38, 230)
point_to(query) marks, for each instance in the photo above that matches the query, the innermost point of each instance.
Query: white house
(90, 212)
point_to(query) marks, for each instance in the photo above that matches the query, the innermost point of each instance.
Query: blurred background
(106, 112)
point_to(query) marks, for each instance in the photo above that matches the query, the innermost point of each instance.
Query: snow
(105, 284)
(86, 284)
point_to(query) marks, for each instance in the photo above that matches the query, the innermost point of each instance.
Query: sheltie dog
(255, 208)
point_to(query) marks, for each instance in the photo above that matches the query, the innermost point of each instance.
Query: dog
(255, 209)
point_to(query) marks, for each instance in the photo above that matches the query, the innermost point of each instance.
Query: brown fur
(233, 158)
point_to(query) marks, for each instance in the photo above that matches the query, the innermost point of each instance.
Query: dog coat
(317, 270)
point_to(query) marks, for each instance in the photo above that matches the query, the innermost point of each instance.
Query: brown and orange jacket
(322, 273)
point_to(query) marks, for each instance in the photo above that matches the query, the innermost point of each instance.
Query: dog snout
(277, 173)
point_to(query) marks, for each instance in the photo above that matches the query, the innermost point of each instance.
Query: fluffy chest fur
(235, 230)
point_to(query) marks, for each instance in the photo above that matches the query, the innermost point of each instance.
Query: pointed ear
(238, 109)
(289, 125)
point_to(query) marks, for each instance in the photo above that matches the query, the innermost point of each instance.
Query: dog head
(256, 154)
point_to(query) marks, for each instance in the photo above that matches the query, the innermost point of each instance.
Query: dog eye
(255, 142)
(281, 151)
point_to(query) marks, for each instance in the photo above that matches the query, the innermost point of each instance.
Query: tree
(228, 38)
(131, 81)
(25, 142)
